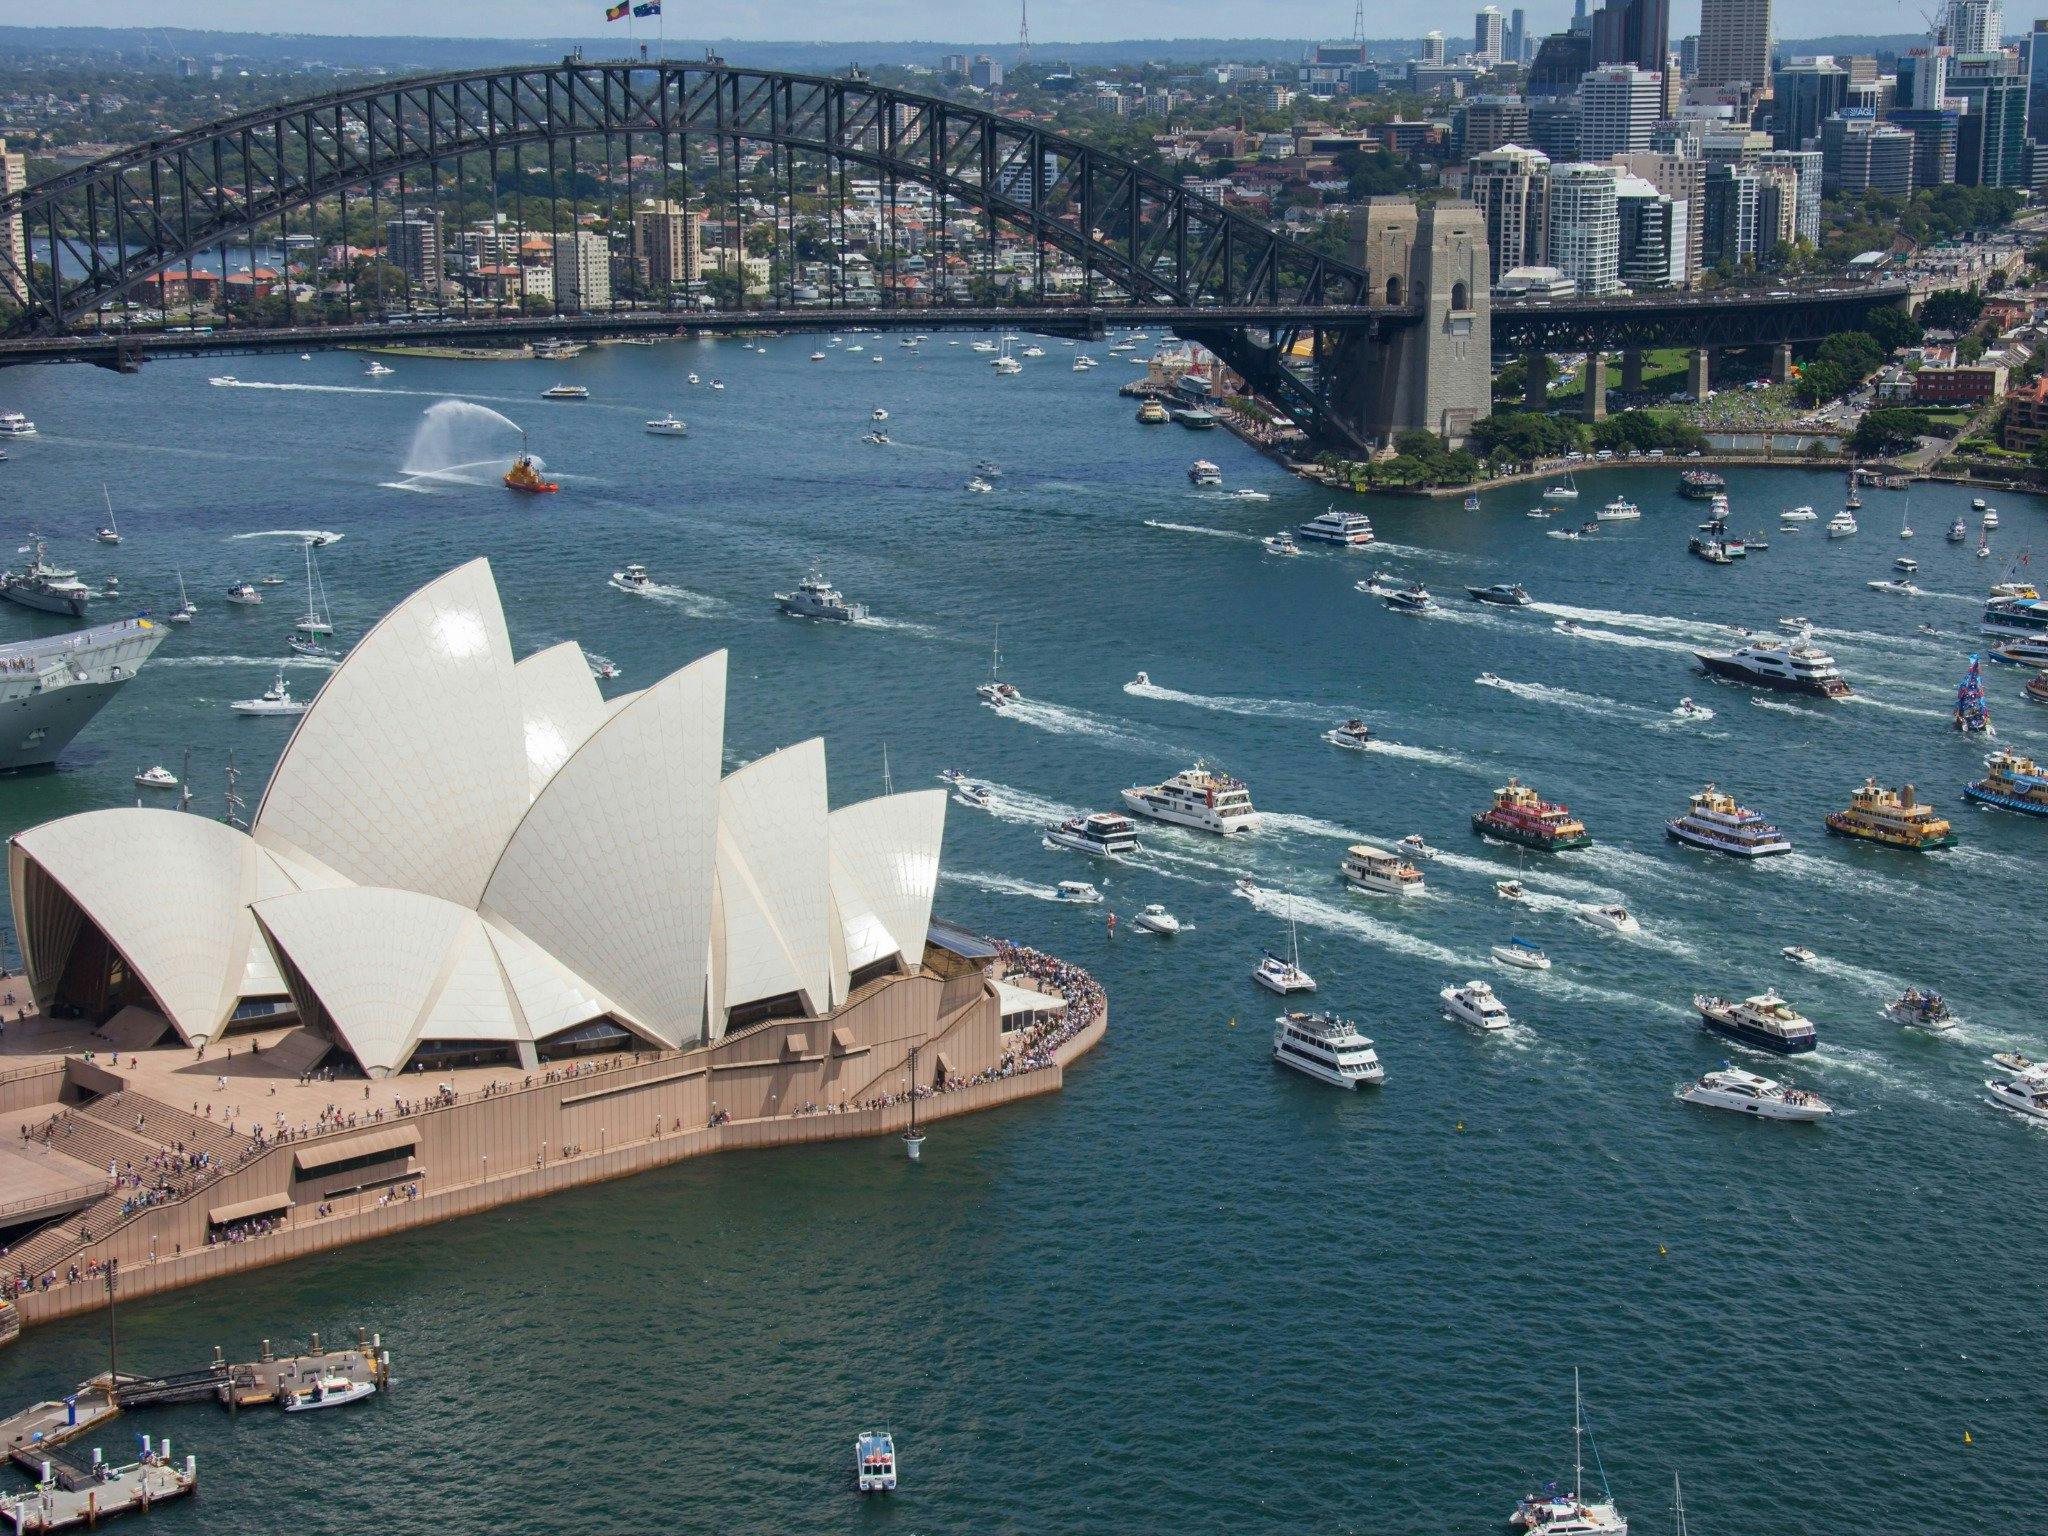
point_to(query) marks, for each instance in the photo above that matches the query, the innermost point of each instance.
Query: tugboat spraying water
(1973, 715)
(525, 475)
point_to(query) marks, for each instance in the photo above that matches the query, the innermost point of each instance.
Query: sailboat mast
(1578, 1440)
(185, 782)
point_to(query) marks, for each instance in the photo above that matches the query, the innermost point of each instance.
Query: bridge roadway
(1696, 319)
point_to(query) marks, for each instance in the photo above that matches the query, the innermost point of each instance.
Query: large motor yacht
(1895, 820)
(2023, 1095)
(1367, 868)
(1475, 1004)
(1520, 815)
(817, 598)
(1351, 529)
(1197, 797)
(1326, 1048)
(1765, 1021)
(1842, 525)
(1503, 594)
(1796, 666)
(1354, 735)
(1101, 833)
(1715, 822)
(1763, 1098)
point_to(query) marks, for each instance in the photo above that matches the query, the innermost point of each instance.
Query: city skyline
(977, 22)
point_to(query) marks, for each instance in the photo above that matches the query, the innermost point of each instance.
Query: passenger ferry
(1745, 1093)
(1367, 868)
(1153, 414)
(1202, 472)
(1197, 797)
(1351, 529)
(565, 392)
(1101, 833)
(1765, 1021)
(1877, 815)
(1475, 1004)
(1326, 1048)
(2024, 617)
(1619, 510)
(2011, 783)
(1797, 666)
(1715, 822)
(1520, 815)
(2022, 653)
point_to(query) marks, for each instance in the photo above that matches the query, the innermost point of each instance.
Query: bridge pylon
(1434, 373)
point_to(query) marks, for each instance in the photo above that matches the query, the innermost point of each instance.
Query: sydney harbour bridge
(1401, 335)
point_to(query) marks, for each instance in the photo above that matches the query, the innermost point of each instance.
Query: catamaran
(995, 692)
(1556, 1513)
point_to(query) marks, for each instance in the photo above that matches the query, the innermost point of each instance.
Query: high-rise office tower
(1634, 32)
(1972, 26)
(1805, 94)
(1618, 107)
(1490, 34)
(1512, 186)
(1585, 229)
(1735, 43)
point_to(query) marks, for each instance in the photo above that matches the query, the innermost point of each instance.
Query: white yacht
(1521, 954)
(1766, 1021)
(1989, 519)
(1375, 870)
(1078, 891)
(2023, 1095)
(1274, 973)
(878, 414)
(2017, 1064)
(1101, 833)
(1793, 666)
(1197, 797)
(1475, 1004)
(1799, 954)
(158, 777)
(1842, 525)
(633, 578)
(1281, 543)
(330, 1391)
(1745, 1093)
(1156, 919)
(274, 700)
(1414, 847)
(1353, 735)
(1326, 1048)
(1351, 529)
(1619, 510)
(668, 425)
(1613, 917)
(1567, 491)
(817, 357)
(377, 370)
(1801, 514)
(244, 595)
(1897, 586)
(14, 424)
(1555, 1512)
(1246, 493)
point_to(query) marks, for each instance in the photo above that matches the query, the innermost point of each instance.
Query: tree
(1885, 431)
(1521, 436)
(1820, 380)
(1951, 309)
(1893, 328)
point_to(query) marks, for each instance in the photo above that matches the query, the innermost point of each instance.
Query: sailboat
(1553, 1513)
(111, 534)
(1569, 491)
(995, 692)
(315, 622)
(1906, 520)
(185, 609)
(1284, 976)
(1677, 1507)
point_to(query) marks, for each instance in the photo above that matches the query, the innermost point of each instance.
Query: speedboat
(377, 370)
(1921, 1010)
(1766, 1021)
(1505, 594)
(1796, 623)
(1688, 710)
(1510, 890)
(633, 578)
(1353, 735)
(1799, 954)
(817, 357)
(1101, 833)
(879, 438)
(274, 700)
(979, 486)
(1613, 917)
(1078, 891)
(1898, 588)
(1475, 1004)
(2018, 1065)
(270, 581)
(244, 595)
(331, 1391)
(218, 381)
(668, 425)
(874, 1461)
(1327, 1048)
(1413, 598)
(602, 667)
(158, 777)
(1978, 504)
(1246, 493)
(1521, 954)
(1281, 543)
(1745, 1093)
(1415, 847)
(565, 392)
(1156, 919)
(2021, 1095)
(878, 414)
(989, 469)
(1800, 514)
(1566, 626)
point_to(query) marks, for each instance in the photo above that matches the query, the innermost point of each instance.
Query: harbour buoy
(1662, 1250)
(1966, 1437)
(1233, 1023)
(1461, 1127)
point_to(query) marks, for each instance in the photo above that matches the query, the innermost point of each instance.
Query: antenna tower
(1358, 23)
(1023, 31)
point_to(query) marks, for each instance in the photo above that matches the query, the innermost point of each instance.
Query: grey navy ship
(52, 686)
(49, 588)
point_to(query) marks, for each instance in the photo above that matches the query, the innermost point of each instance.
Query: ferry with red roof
(1520, 815)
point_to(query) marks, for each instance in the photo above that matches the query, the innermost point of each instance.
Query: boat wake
(998, 885)
(1211, 533)
(325, 536)
(1873, 638)
(1008, 803)
(1567, 698)
(1897, 709)
(1625, 863)
(1861, 1062)
(695, 605)
(1636, 642)
(1433, 756)
(1539, 881)
(1417, 552)
(1842, 877)
(1875, 982)
(1309, 826)
(1314, 913)
(1780, 707)
(1292, 709)
(899, 626)
(1658, 624)
(307, 663)
(1062, 721)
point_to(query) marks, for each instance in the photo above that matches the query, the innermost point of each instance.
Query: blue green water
(1191, 1290)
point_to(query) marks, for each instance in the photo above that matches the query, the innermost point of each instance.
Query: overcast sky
(898, 20)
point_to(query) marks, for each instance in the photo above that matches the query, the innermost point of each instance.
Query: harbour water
(1190, 1290)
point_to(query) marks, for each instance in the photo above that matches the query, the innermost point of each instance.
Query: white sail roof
(611, 869)
(560, 706)
(773, 881)
(410, 769)
(887, 852)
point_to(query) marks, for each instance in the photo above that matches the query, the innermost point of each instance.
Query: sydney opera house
(550, 920)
